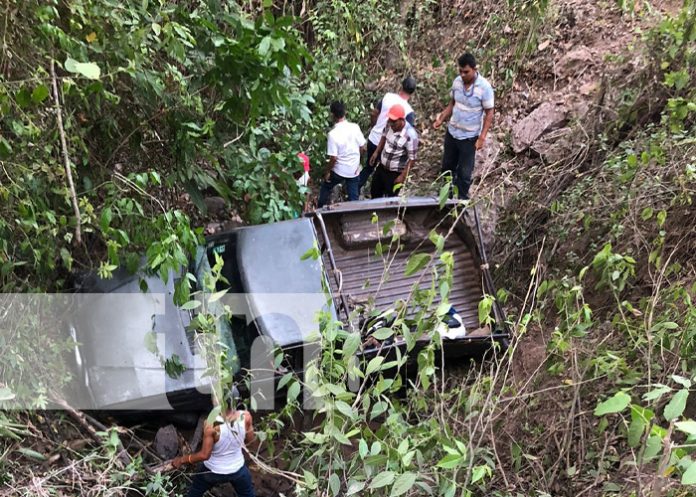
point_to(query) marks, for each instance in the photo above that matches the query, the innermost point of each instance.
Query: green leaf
(652, 447)
(450, 461)
(5, 148)
(444, 194)
(264, 46)
(688, 426)
(363, 448)
(106, 217)
(6, 394)
(88, 69)
(689, 476)
(374, 364)
(190, 305)
(354, 487)
(350, 346)
(383, 333)
(685, 382)
(382, 479)
(676, 406)
(403, 484)
(293, 391)
(32, 454)
(334, 483)
(345, 409)
(415, 263)
(217, 296)
(39, 94)
(479, 473)
(310, 479)
(657, 392)
(614, 404)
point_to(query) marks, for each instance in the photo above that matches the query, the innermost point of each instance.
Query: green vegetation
(164, 102)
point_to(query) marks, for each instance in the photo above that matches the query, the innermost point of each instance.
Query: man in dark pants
(395, 155)
(470, 111)
(379, 120)
(344, 146)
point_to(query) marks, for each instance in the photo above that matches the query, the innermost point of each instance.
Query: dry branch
(66, 157)
(82, 419)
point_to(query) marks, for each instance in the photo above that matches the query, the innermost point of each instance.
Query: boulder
(215, 205)
(573, 62)
(548, 116)
(554, 146)
(487, 157)
(166, 442)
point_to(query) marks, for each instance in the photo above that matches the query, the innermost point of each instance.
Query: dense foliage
(166, 102)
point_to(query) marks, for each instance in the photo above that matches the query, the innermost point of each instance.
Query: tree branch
(66, 158)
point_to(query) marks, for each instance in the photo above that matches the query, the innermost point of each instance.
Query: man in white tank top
(221, 453)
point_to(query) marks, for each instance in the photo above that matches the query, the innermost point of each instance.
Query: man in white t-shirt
(344, 147)
(408, 88)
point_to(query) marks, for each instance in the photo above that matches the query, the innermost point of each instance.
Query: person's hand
(327, 176)
(400, 179)
(438, 121)
(373, 159)
(480, 142)
(177, 462)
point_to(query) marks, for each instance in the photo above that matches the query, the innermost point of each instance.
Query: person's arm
(330, 166)
(375, 156)
(374, 112)
(444, 115)
(203, 454)
(412, 155)
(332, 152)
(248, 428)
(487, 121)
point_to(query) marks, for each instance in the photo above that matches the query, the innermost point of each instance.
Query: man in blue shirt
(470, 114)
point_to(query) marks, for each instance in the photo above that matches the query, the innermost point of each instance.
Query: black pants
(459, 158)
(368, 169)
(383, 183)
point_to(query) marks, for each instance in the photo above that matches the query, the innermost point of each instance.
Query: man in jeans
(396, 154)
(344, 146)
(471, 112)
(221, 458)
(379, 114)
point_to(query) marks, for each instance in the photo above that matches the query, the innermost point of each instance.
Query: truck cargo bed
(375, 276)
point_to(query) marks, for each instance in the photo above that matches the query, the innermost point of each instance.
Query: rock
(215, 205)
(589, 88)
(212, 228)
(166, 442)
(487, 157)
(554, 146)
(546, 117)
(572, 62)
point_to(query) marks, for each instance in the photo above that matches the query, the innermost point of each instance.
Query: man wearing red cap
(396, 153)
(379, 117)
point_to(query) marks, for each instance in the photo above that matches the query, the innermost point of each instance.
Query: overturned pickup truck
(352, 261)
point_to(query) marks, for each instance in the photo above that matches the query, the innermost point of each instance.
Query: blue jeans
(327, 186)
(205, 479)
(459, 158)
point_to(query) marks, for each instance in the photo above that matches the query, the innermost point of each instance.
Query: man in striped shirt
(471, 114)
(396, 153)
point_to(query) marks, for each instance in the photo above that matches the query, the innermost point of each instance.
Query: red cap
(396, 112)
(305, 160)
